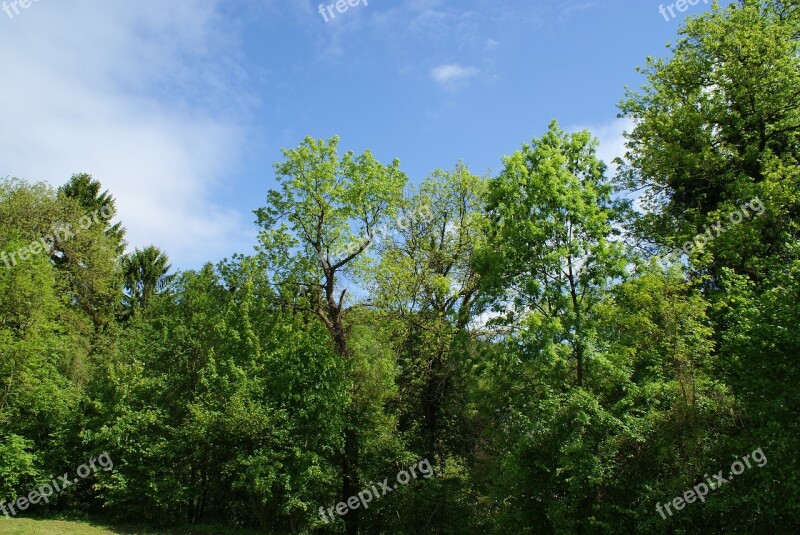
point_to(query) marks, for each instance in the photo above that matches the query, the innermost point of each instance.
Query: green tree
(553, 245)
(425, 286)
(552, 254)
(315, 230)
(87, 192)
(758, 348)
(214, 382)
(46, 339)
(717, 125)
(144, 274)
(425, 279)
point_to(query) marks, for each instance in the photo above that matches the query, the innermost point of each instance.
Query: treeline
(533, 335)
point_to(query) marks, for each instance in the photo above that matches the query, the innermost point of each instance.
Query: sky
(180, 108)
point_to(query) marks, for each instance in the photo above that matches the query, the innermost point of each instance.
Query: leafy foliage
(515, 331)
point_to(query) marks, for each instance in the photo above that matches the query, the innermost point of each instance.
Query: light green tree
(553, 246)
(315, 229)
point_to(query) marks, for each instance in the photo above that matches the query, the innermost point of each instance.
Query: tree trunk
(350, 480)
(576, 308)
(350, 483)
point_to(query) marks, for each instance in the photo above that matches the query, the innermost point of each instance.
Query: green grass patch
(32, 526)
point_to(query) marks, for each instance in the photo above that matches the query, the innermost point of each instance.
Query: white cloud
(610, 137)
(451, 75)
(133, 94)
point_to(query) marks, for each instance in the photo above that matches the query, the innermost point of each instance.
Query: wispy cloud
(139, 98)
(577, 5)
(451, 76)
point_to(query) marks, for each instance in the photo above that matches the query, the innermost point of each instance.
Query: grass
(32, 526)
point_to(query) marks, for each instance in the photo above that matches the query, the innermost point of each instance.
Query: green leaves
(144, 274)
(17, 466)
(327, 210)
(717, 125)
(552, 245)
(504, 328)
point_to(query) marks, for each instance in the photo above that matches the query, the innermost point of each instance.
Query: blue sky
(181, 107)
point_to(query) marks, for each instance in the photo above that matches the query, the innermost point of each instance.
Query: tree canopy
(568, 348)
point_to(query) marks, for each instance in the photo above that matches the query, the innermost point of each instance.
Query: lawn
(29, 526)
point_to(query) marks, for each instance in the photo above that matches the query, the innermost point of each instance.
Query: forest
(568, 346)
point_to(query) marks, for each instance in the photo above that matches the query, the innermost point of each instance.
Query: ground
(28, 526)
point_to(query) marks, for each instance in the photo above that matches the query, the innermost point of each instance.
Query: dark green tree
(717, 125)
(145, 273)
(87, 192)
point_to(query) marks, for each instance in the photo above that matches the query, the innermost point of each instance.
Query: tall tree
(87, 192)
(87, 243)
(552, 249)
(426, 279)
(717, 125)
(315, 230)
(45, 338)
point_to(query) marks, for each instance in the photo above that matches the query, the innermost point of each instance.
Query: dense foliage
(569, 349)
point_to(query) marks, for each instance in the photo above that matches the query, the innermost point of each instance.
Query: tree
(426, 280)
(426, 288)
(717, 125)
(551, 249)
(759, 347)
(74, 240)
(144, 273)
(45, 339)
(215, 382)
(86, 191)
(315, 230)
